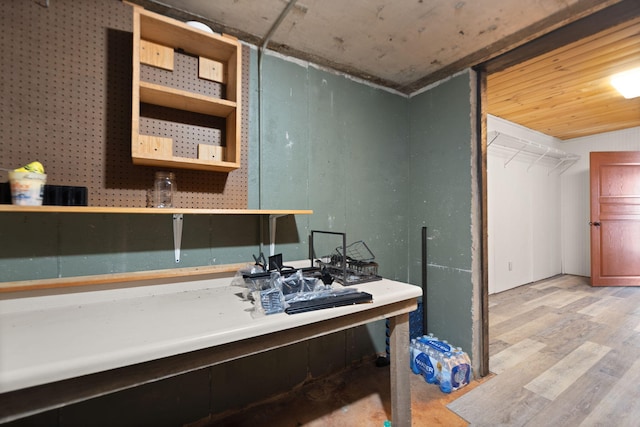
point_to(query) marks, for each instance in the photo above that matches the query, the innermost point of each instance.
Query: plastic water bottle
(460, 369)
(463, 356)
(440, 363)
(422, 363)
(412, 362)
(445, 375)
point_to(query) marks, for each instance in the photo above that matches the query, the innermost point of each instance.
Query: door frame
(597, 21)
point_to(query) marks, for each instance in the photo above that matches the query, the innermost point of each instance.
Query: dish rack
(348, 264)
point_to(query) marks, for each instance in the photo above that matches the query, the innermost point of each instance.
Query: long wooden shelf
(153, 211)
(114, 278)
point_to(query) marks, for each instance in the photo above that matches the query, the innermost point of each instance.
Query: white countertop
(73, 332)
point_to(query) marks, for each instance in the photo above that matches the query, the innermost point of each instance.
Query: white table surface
(71, 333)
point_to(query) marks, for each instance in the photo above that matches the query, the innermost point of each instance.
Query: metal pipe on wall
(425, 330)
(261, 49)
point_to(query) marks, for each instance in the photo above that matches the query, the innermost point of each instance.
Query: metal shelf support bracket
(177, 235)
(273, 219)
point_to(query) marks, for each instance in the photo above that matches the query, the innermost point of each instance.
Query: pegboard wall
(65, 100)
(185, 128)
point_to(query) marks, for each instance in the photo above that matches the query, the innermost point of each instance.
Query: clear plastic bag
(268, 301)
(297, 282)
(272, 292)
(249, 285)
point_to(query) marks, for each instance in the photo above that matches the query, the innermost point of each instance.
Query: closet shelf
(558, 160)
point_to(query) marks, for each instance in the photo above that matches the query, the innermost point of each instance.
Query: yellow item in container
(27, 188)
(35, 167)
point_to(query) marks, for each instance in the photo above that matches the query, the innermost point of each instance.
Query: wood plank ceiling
(566, 93)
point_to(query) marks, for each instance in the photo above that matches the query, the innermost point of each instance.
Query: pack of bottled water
(440, 363)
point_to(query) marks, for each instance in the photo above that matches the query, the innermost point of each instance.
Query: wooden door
(615, 218)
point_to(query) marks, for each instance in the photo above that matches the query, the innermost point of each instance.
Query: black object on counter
(5, 193)
(328, 302)
(54, 195)
(62, 195)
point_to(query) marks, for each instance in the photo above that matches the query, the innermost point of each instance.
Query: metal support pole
(425, 329)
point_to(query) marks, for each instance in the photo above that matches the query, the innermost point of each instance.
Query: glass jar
(164, 189)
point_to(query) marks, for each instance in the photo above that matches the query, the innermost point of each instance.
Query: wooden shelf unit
(224, 52)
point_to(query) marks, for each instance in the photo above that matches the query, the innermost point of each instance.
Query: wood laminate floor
(562, 354)
(565, 354)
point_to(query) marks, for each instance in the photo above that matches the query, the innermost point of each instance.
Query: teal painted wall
(369, 162)
(339, 148)
(440, 199)
(41, 246)
(329, 144)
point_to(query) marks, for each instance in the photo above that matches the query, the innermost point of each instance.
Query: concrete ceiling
(402, 45)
